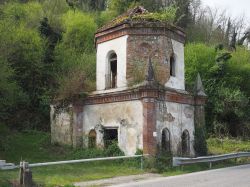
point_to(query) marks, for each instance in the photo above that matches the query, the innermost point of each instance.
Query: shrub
(113, 150)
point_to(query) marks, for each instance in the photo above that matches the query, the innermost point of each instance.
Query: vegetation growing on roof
(166, 15)
(139, 14)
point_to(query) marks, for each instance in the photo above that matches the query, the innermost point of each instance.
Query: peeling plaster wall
(177, 118)
(119, 46)
(178, 82)
(61, 126)
(127, 117)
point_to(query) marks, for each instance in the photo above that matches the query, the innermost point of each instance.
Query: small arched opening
(92, 139)
(172, 66)
(185, 142)
(165, 141)
(112, 71)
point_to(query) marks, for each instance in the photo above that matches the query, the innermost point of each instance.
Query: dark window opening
(112, 76)
(165, 141)
(172, 66)
(185, 142)
(92, 139)
(110, 137)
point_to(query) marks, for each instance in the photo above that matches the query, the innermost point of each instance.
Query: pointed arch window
(92, 139)
(165, 141)
(185, 142)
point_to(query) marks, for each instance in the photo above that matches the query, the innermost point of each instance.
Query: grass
(216, 146)
(222, 146)
(34, 146)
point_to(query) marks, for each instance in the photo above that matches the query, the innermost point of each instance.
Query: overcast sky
(233, 7)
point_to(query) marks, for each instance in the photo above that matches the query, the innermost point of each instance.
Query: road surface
(227, 177)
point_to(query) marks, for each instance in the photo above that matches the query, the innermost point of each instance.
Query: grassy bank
(35, 146)
(226, 145)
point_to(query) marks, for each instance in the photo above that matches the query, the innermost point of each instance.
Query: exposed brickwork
(138, 94)
(139, 48)
(77, 125)
(149, 126)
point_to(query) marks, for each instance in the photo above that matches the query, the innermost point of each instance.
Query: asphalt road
(227, 177)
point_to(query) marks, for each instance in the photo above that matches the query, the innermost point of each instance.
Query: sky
(234, 7)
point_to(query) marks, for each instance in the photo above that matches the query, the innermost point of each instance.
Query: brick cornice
(126, 29)
(139, 94)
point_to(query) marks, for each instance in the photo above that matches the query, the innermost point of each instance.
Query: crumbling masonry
(140, 101)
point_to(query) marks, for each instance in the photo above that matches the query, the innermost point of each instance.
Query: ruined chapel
(140, 99)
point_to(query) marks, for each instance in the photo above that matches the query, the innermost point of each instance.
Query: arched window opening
(165, 141)
(92, 139)
(172, 66)
(185, 142)
(112, 77)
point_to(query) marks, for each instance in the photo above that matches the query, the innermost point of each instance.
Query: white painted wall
(119, 46)
(184, 120)
(178, 82)
(130, 134)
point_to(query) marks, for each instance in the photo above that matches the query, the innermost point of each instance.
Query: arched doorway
(185, 143)
(92, 139)
(165, 141)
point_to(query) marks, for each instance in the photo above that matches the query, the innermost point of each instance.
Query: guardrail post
(142, 162)
(25, 175)
(210, 165)
(21, 173)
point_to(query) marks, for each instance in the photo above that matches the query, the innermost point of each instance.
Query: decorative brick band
(126, 29)
(138, 94)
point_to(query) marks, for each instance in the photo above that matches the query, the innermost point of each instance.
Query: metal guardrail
(25, 174)
(85, 160)
(6, 166)
(180, 161)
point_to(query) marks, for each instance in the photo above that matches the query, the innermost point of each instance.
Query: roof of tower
(138, 15)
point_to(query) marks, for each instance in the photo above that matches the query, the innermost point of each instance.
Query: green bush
(160, 162)
(113, 150)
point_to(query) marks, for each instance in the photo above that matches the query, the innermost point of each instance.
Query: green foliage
(11, 93)
(161, 162)
(105, 16)
(198, 58)
(53, 10)
(79, 29)
(28, 14)
(200, 144)
(34, 146)
(226, 145)
(166, 15)
(226, 84)
(113, 150)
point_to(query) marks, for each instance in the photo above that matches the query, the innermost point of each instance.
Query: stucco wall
(126, 116)
(61, 125)
(177, 118)
(119, 46)
(178, 82)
